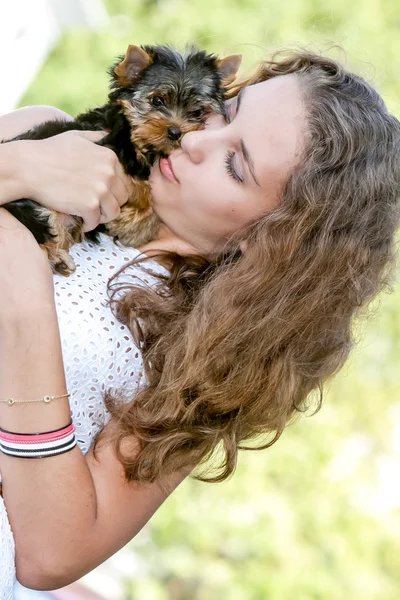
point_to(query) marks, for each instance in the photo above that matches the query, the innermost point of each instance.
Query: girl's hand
(71, 174)
(26, 281)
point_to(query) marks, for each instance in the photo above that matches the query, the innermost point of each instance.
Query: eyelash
(229, 167)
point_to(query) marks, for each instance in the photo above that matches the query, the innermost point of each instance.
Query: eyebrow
(245, 152)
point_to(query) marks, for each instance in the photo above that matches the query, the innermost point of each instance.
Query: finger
(120, 191)
(127, 182)
(109, 209)
(91, 220)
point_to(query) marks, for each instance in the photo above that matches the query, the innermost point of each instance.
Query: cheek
(223, 204)
(211, 193)
(234, 206)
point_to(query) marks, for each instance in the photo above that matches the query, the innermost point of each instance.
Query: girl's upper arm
(122, 510)
(22, 119)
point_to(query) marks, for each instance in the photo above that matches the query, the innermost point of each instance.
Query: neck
(167, 241)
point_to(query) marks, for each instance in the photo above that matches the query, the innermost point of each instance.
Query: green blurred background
(316, 517)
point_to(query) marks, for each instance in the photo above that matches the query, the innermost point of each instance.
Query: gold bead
(10, 401)
(46, 398)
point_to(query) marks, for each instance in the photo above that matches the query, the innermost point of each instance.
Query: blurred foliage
(317, 516)
(368, 30)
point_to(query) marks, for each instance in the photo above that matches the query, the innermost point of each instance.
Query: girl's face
(231, 172)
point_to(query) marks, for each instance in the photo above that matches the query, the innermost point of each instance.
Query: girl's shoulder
(108, 257)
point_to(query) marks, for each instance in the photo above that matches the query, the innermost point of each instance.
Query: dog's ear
(228, 67)
(136, 59)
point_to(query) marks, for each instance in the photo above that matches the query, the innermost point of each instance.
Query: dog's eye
(157, 101)
(196, 114)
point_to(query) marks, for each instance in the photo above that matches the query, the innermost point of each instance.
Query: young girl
(277, 227)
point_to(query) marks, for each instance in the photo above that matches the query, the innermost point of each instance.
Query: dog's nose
(174, 133)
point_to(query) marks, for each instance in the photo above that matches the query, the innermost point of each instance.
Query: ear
(228, 67)
(243, 245)
(134, 62)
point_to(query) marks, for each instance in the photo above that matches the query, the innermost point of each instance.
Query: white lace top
(98, 353)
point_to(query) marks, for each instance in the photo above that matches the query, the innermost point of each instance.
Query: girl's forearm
(22, 119)
(13, 179)
(52, 501)
(12, 182)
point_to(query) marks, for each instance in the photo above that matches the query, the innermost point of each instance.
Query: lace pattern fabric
(7, 564)
(98, 352)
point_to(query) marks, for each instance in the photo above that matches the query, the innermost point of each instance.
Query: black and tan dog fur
(157, 94)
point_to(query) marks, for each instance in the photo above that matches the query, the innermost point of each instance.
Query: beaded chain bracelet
(47, 399)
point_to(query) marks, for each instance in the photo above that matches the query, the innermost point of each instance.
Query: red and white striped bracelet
(38, 445)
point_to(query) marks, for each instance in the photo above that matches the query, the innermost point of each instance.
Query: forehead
(273, 128)
(277, 103)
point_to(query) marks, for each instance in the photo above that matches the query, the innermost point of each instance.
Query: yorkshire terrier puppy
(156, 95)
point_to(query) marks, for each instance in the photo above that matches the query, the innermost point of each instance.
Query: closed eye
(230, 114)
(232, 172)
(230, 155)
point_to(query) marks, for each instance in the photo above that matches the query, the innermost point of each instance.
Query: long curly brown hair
(234, 344)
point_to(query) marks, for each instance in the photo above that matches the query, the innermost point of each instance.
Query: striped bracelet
(38, 445)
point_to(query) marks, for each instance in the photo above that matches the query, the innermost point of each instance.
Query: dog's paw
(63, 264)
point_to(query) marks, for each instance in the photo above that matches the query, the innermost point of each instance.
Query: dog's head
(164, 93)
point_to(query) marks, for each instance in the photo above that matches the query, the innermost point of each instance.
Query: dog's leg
(137, 224)
(66, 230)
(60, 260)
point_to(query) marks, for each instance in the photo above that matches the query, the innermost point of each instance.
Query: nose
(174, 133)
(199, 143)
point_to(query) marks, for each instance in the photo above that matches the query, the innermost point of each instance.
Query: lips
(167, 170)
